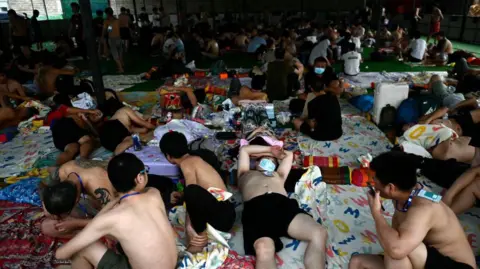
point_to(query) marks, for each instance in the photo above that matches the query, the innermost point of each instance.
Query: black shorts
(20, 41)
(413, 59)
(437, 260)
(112, 134)
(268, 215)
(125, 33)
(66, 131)
(203, 208)
(305, 129)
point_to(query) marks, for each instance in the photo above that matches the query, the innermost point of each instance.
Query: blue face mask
(319, 70)
(267, 166)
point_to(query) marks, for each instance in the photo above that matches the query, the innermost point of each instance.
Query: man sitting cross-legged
(269, 214)
(202, 181)
(425, 233)
(74, 180)
(136, 219)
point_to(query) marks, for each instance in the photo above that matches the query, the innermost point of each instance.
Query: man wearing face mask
(321, 70)
(269, 214)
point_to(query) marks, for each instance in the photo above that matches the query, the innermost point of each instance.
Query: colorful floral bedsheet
(360, 137)
(20, 154)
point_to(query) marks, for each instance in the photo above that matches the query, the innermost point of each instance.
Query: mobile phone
(371, 190)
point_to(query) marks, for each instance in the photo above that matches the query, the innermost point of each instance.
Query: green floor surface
(137, 62)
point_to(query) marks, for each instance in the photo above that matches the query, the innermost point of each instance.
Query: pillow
(23, 191)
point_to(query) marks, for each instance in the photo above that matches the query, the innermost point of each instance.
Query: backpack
(411, 109)
(387, 117)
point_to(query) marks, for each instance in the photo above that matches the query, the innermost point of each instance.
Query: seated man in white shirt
(352, 60)
(417, 48)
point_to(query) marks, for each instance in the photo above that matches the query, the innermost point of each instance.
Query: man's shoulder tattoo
(103, 195)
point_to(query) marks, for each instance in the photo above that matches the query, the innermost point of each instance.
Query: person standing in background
(37, 31)
(98, 28)
(18, 30)
(156, 21)
(164, 19)
(76, 29)
(145, 35)
(125, 23)
(435, 23)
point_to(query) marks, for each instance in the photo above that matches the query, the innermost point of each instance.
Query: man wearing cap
(269, 214)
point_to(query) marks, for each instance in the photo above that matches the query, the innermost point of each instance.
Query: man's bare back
(241, 40)
(140, 224)
(12, 86)
(95, 180)
(255, 183)
(47, 77)
(130, 119)
(445, 233)
(204, 174)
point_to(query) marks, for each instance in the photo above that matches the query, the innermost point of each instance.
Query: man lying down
(269, 214)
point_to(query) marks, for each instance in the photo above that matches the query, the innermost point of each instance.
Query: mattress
(156, 162)
(365, 79)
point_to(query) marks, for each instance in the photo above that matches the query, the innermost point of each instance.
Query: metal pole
(302, 8)
(33, 7)
(464, 19)
(135, 12)
(45, 7)
(89, 35)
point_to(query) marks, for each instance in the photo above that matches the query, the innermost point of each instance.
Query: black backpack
(388, 116)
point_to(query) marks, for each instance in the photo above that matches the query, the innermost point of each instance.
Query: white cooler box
(388, 94)
(156, 161)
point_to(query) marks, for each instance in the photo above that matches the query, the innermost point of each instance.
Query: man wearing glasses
(425, 233)
(136, 218)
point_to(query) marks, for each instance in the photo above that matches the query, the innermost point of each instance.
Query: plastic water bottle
(137, 145)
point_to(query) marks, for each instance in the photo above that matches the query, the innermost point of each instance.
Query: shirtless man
(435, 22)
(111, 29)
(124, 24)
(465, 192)
(136, 219)
(397, 41)
(212, 50)
(18, 29)
(241, 40)
(10, 88)
(201, 181)
(115, 134)
(10, 117)
(269, 214)
(425, 233)
(443, 49)
(72, 131)
(47, 77)
(74, 181)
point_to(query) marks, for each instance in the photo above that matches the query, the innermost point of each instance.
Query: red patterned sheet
(22, 245)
